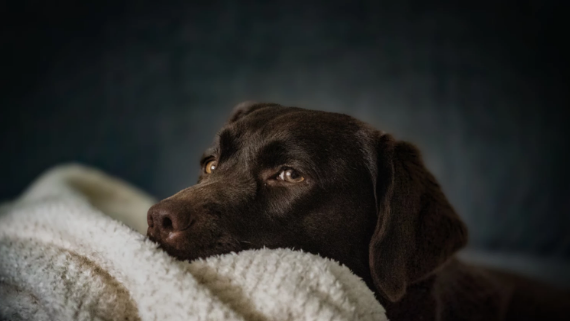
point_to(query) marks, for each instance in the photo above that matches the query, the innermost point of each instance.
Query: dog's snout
(160, 218)
(164, 219)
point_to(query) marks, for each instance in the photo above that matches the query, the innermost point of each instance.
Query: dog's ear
(245, 108)
(417, 228)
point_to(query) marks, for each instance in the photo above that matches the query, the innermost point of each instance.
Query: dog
(328, 184)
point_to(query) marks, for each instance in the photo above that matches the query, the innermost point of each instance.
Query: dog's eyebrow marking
(279, 153)
(207, 154)
(273, 154)
(228, 144)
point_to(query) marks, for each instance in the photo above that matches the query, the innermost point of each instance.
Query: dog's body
(332, 185)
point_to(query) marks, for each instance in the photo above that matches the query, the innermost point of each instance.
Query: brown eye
(291, 176)
(210, 166)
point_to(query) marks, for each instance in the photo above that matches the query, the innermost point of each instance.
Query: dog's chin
(191, 253)
(182, 255)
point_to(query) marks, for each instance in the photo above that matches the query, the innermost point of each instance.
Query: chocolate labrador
(326, 183)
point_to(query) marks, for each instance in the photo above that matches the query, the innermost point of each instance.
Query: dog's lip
(185, 228)
(169, 235)
(174, 234)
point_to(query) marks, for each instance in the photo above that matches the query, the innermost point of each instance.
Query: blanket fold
(72, 247)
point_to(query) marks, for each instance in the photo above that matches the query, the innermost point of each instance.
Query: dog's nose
(164, 219)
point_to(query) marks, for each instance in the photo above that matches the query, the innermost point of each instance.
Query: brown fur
(367, 201)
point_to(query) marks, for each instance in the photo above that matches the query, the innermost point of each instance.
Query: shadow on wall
(139, 90)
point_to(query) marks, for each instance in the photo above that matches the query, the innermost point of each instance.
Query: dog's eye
(211, 166)
(291, 176)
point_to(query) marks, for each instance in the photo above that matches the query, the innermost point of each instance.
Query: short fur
(367, 201)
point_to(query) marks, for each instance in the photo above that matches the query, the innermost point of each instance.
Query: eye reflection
(210, 167)
(290, 176)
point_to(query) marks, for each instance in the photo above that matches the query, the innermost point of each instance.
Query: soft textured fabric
(66, 255)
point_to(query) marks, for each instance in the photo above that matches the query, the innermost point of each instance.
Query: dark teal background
(139, 89)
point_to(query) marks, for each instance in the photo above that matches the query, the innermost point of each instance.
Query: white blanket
(65, 255)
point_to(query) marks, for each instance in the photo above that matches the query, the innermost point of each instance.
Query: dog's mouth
(187, 250)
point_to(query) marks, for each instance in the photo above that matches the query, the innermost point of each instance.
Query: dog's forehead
(291, 123)
(289, 133)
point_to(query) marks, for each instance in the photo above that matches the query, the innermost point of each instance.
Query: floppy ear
(417, 228)
(245, 108)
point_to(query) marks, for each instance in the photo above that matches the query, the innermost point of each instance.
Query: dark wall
(139, 89)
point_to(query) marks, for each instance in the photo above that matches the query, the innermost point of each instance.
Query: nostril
(165, 218)
(167, 223)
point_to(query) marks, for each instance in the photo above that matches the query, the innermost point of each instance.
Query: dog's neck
(455, 292)
(417, 304)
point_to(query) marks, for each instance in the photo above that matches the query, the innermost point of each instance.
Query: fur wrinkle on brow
(227, 143)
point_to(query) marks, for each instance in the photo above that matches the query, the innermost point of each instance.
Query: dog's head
(325, 183)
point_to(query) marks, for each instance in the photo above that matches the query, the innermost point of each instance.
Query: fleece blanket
(72, 247)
